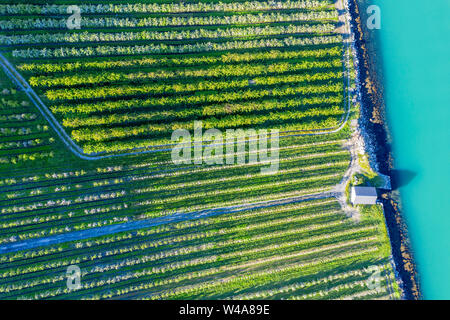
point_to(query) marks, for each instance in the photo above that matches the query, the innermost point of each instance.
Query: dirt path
(338, 191)
(147, 223)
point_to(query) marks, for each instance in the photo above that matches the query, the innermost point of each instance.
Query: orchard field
(135, 72)
(139, 226)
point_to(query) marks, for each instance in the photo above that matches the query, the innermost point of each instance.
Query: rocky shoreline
(376, 135)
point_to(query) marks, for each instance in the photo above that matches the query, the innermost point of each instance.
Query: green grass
(304, 250)
(278, 240)
(72, 97)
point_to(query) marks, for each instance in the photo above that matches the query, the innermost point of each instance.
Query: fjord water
(415, 50)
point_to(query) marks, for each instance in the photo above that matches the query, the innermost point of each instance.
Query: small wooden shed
(364, 195)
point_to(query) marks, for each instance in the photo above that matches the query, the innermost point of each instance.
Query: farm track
(146, 223)
(126, 241)
(133, 225)
(313, 224)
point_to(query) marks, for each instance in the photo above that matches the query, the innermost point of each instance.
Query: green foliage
(249, 64)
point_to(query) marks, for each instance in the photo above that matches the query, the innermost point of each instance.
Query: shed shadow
(401, 178)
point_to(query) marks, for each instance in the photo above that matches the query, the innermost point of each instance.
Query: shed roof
(364, 195)
(365, 191)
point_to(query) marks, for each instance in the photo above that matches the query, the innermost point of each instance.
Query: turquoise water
(415, 49)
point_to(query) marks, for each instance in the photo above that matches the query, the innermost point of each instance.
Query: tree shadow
(401, 178)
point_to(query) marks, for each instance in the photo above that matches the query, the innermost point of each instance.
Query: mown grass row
(133, 239)
(309, 288)
(155, 7)
(197, 20)
(204, 47)
(117, 198)
(198, 34)
(180, 61)
(292, 226)
(24, 135)
(84, 215)
(221, 71)
(55, 174)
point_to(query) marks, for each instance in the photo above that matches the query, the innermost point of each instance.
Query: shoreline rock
(374, 129)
